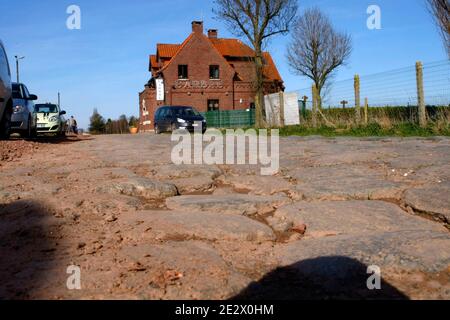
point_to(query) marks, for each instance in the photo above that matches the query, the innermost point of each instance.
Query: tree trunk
(314, 107)
(259, 99)
(319, 96)
(282, 120)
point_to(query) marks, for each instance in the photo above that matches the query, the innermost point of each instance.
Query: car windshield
(16, 92)
(46, 108)
(179, 112)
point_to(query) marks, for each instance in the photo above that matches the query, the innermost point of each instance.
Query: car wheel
(173, 127)
(33, 133)
(157, 130)
(5, 125)
(62, 134)
(29, 132)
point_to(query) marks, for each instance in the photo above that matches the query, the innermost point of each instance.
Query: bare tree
(257, 20)
(317, 49)
(123, 124)
(441, 12)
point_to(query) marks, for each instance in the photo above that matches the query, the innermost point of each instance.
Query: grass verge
(371, 130)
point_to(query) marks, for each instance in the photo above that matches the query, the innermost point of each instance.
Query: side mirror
(62, 113)
(32, 97)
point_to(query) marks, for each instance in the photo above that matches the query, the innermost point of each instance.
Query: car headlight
(18, 109)
(181, 120)
(53, 119)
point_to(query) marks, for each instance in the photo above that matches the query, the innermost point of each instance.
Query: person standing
(74, 125)
(69, 126)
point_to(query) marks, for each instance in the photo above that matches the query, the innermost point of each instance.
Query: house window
(213, 105)
(214, 72)
(182, 71)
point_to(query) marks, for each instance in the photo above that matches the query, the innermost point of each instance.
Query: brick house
(206, 72)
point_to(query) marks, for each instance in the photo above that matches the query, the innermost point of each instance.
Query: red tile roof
(153, 61)
(232, 48)
(270, 69)
(167, 50)
(227, 48)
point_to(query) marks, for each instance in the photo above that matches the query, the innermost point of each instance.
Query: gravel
(15, 149)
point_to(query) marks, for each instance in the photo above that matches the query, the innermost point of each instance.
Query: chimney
(212, 33)
(197, 26)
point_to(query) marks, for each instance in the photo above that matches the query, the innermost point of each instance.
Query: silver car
(5, 95)
(23, 119)
(50, 119)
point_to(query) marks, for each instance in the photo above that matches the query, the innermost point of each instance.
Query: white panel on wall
(291, 109)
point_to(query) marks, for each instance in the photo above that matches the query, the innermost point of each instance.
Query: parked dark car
(6, 105)
(23, 119)
(178, 117)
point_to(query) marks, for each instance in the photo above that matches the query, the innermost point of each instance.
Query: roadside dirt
(139, 227)
(13, 150)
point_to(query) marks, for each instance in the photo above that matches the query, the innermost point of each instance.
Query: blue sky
(104, 65)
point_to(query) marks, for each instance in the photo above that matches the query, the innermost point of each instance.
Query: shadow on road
(28, 242)
(322, 278)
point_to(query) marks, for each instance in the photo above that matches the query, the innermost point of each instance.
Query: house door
(213, 105)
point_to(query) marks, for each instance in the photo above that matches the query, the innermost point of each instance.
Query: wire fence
(392, 88)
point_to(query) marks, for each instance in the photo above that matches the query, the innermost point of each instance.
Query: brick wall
(198, 53)
(147, 109)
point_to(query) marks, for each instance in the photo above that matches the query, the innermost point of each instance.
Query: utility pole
(59, 101)
(17, 67)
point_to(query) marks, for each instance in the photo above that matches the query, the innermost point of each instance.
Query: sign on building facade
(159, 89)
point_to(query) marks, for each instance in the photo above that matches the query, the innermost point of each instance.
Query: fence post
(218, 119)
(314, 108)
(282, 120)
(357, 99)
(366, 111)
(305, 98)
(421, 95)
